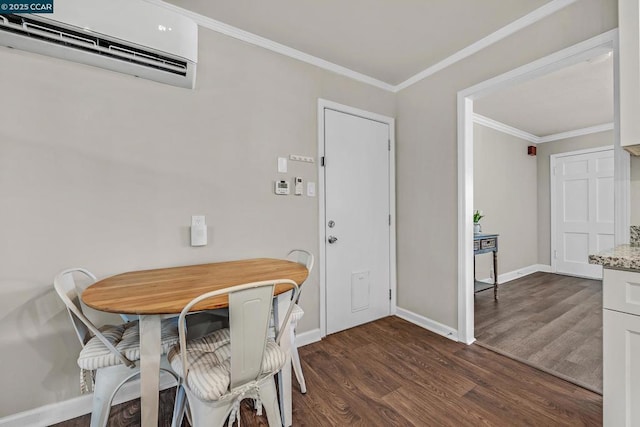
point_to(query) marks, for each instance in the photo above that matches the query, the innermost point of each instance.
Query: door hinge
(389, 294)
(322, 161)
(389, 219)
(555, 254)
(389, 146)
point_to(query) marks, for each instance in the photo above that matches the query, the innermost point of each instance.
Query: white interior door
(584, 213)
(357, 220)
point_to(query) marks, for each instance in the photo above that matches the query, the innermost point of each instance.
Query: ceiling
(390, 40)
(393, 40)
(575, 97)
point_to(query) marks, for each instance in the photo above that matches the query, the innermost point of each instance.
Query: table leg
(495, 275)
(149, 369)
(280, 307)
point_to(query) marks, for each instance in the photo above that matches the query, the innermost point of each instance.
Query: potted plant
(477, 216)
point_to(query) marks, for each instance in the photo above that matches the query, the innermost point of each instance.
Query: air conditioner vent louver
(91, 43)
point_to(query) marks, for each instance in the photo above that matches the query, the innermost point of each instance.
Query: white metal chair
(218, 371)
(110, 352)
(305, 258)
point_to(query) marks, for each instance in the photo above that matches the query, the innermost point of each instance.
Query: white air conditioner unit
(128, 36)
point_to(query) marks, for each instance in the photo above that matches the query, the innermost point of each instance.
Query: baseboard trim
(516, 274)
(308, 337)
(427, 323)
(76, 407)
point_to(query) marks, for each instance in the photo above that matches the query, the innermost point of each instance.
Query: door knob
(332, 239)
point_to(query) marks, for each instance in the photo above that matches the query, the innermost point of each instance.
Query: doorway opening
(589, 49)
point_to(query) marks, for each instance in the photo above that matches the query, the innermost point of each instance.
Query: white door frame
(322, 104)
(555, 61)
(553, 158)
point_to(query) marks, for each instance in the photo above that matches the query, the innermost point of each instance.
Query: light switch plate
(311, 189)
(282, 164)
(198, 231)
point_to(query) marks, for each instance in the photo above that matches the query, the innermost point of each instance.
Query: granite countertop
(622, 256)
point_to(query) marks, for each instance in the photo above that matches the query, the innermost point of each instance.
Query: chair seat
(209, 361)
(126, 339)
(296, 314)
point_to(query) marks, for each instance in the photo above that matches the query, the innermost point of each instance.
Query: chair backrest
(302, 257)
(249, 313)
(65, 285)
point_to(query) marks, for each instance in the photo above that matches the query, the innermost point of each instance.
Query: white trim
(515, 26)
(521, 272)
(504, 128)
(428, 324)
(622, 163)
(519, 133)
(571, 55)
(465, 220)
(254, 39)
(517, 274)
(231, 31)
(76, 407)
(390, 121)
(582, 51)
(553, 158)
(576, 132)
(308, 337)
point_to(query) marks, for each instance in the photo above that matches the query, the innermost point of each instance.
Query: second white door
(584, 217)
(357, 215)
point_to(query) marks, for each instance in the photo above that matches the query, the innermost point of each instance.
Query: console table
(482, 244)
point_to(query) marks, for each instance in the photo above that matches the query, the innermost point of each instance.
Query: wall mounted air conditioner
(128, 36)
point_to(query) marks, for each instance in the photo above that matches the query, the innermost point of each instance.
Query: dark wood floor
(548, 320)
(393, 373)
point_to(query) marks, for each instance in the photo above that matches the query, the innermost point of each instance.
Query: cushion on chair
(296, 314)
(125, 338)
(210, 363)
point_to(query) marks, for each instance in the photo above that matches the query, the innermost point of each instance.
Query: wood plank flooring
(393, 373)
(549, 320)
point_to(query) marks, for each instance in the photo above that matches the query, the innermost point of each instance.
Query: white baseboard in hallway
(516, 274)
(427, 323)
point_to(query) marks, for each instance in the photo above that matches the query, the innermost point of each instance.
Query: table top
(479, 236)
(168, 290)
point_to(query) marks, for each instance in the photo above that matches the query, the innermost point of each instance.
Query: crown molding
(519, 133)
(504, 128)
(254, 39)
(577, 132)
(515, 26)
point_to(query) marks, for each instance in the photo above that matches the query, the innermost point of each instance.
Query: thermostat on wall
(282, 187)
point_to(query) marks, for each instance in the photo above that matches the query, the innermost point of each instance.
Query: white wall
(505, 189)
(104, 171)
(427, 198)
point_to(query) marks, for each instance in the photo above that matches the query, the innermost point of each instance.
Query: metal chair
(305, 258)
(111, 353)
(220, 370)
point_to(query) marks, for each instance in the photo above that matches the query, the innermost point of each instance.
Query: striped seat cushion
(126, 339)
(296, 314)
(210, 363)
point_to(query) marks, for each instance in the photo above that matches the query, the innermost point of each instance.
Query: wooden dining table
(154, 294)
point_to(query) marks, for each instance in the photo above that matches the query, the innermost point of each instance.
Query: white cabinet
(629, 36)
(621, 355)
